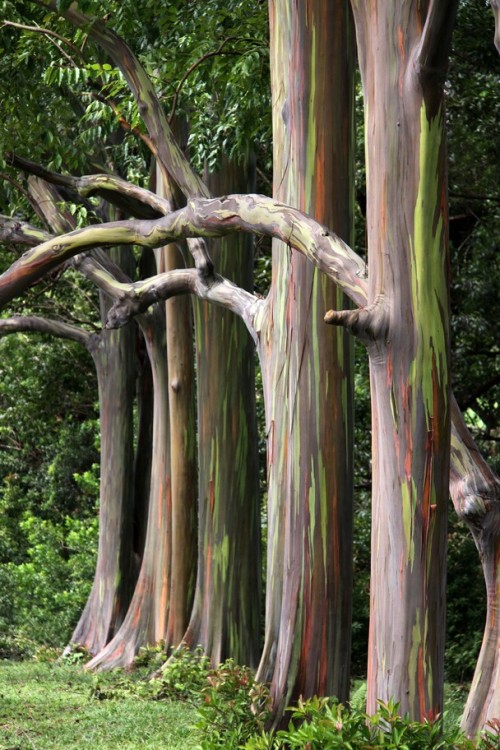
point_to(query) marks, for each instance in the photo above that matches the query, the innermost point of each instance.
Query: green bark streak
(429, 277)
(409, 356)
(308, 598)
(226, 613)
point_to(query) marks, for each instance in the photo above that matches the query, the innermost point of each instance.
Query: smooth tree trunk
(225, 619)
(307, 371)
(183, 458)
(475, 492)
(113, 355)
(147, 616)
(403, 50)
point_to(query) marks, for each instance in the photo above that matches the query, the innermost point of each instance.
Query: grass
(49, 707)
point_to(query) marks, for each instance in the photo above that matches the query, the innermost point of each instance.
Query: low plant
(181, 677)
(234, 708)
(323, 724)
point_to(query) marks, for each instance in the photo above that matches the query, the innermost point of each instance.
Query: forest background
(49, 425)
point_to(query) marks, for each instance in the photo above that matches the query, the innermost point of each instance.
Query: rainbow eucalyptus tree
(113, 356)
(307, 372)
(403, 52)
(234, 610)
(225, 619)
(401, 315)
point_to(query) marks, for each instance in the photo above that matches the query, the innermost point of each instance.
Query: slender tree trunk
(113, 356)
(403, 51)
(114, 576)
(226, 612)
(475, 492)
(147, 615)
(183, 459)
(307, 371)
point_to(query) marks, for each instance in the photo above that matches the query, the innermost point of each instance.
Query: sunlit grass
(49, 707)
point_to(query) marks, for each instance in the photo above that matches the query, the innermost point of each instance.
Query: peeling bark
(112, 352)
(147, 616)
(475, 492)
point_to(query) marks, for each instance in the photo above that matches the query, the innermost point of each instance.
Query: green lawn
(46, 706)
(49, 707)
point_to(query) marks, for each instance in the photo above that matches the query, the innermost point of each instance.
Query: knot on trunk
(369, 323)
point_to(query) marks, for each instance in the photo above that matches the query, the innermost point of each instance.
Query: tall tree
(307, 372)
(402, 317)
(226, 613)
(113, 355)
(403, 53)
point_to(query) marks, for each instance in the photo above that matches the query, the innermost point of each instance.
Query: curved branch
(150, 108)
(20, 232)
(201, 218)
(48, 33)
(134, 298)
(188, 72)
(33, 323)
(137, 201)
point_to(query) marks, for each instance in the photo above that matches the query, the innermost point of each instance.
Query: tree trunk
(475, 492)
(307, 371)
(403, 51)
(226, 612)
(183, 459)
(113, 356)
(147, 615)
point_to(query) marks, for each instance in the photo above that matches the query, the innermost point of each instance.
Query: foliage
(43, 596)
(323, 724)
(181, 677)
(231, 705)
(234, 707)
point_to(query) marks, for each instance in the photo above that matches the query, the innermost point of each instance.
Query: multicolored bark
(113, 355)
(183, 459)
(226, 613)
(475, 492)
(147, 616)
(403, 53)
(307, 371)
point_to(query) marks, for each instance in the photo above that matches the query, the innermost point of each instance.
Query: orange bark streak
(211, 495)
(421, 681)
(402, 54)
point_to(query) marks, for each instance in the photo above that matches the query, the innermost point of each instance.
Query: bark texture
(147, 616)
(403, 52)
(183, 459)
(226, 612)
(475, 492)
(307, 372)
(113, 355)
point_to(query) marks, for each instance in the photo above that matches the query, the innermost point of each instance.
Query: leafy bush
(234, 707)
(323, 724)
(44, 594)
(182, 676)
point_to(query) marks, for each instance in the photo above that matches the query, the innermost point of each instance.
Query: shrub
(234, 707)
(323, 724)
